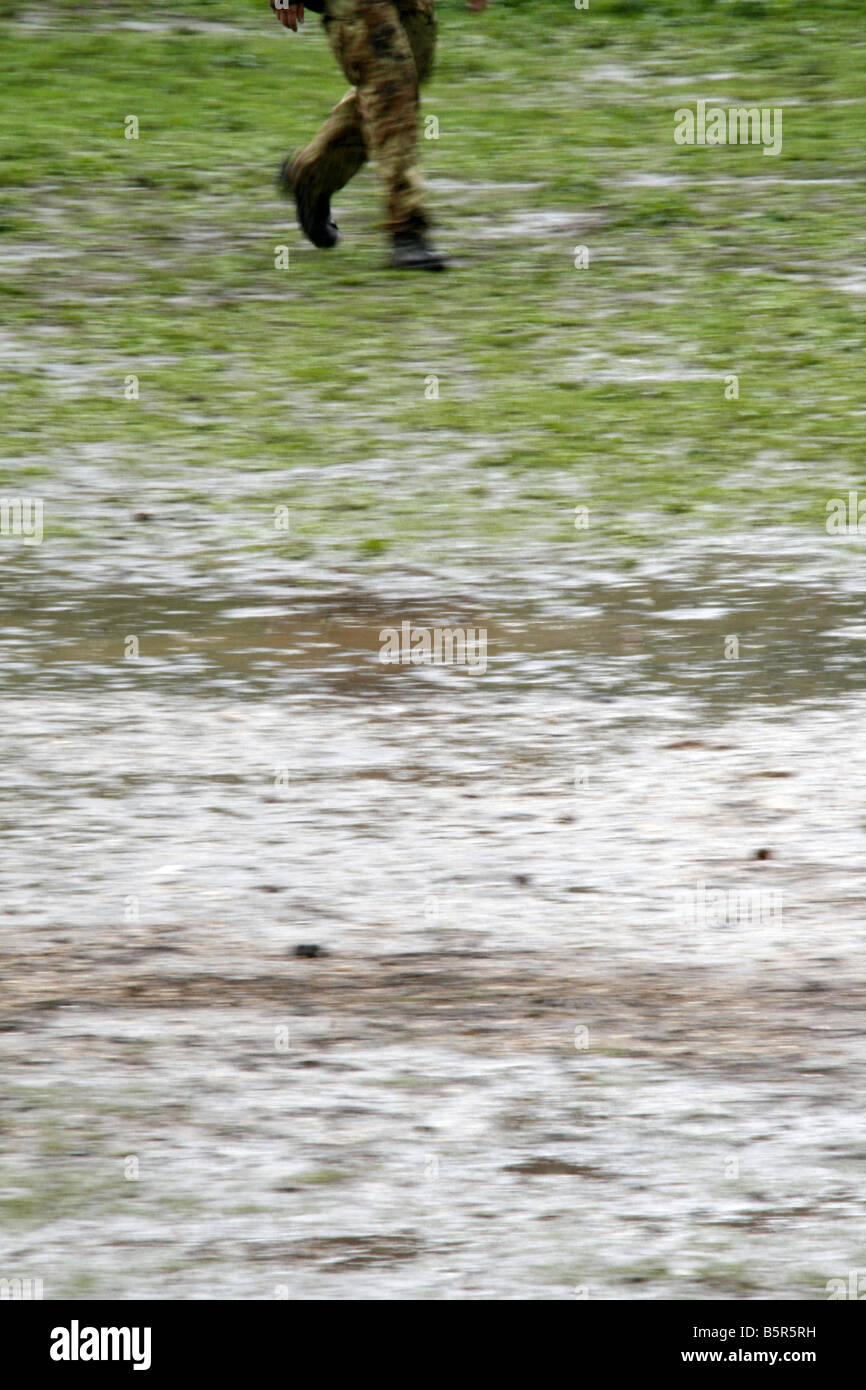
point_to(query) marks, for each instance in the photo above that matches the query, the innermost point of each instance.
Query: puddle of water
(641, 179)
(607, 892)
(682, 79)
(632, 370)
(471, 188)
(178, 24)
(850, 284)
(539, 224)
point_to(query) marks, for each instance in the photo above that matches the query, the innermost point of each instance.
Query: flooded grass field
(327, 978)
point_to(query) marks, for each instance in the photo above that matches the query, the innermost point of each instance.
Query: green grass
(602, 386)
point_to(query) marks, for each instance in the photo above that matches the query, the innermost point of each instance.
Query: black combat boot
(314, 214)
(412, 251)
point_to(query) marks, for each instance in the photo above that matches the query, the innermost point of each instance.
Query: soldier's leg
(375, 52)
(337, 152)
(418, 18)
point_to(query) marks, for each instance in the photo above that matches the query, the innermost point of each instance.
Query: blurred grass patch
(156, 257)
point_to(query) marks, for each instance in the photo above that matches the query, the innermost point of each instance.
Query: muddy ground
(324, 978)
(524, 1062)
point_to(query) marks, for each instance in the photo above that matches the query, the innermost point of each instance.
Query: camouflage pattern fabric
(386, 51)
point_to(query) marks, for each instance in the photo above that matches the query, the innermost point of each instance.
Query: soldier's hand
(290, 16)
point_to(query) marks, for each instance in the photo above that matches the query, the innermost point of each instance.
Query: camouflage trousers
(385, 48)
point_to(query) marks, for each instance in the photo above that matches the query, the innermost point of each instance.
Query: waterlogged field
(579, 1004)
